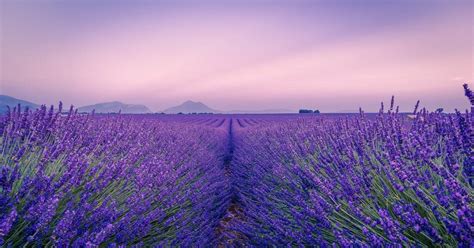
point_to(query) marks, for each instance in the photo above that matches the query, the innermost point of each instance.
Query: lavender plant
(87, 180)
(360, 180)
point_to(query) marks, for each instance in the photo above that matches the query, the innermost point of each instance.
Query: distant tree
(439, 110)
(306, 111)
(316, 111)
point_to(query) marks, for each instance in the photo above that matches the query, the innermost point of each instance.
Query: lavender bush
(380, 180)
(86, 180)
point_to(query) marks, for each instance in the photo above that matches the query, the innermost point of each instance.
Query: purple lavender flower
(415, 111)
(7, 222)
(469, 94)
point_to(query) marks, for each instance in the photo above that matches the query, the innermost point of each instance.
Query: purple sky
(331, 55)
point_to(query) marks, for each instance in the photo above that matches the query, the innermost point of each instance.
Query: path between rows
(228, 236)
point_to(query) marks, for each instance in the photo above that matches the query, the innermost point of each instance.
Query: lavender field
(355, 180)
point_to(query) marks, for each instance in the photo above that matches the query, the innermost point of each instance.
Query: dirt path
(227, 236)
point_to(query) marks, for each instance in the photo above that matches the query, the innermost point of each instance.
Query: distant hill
(190, 107)
(13, 102)
(115, 107)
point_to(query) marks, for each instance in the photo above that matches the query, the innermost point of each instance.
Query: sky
(248, 55)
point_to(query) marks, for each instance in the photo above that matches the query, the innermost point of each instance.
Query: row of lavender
(357, 181)
(88, 180)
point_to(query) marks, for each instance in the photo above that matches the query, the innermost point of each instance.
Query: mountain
(190, 107)
(115, 107)
(13, 102)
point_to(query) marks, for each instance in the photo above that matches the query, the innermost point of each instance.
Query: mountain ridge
(186, 107)
(13, 102)
(115, 107)
(191, 107)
